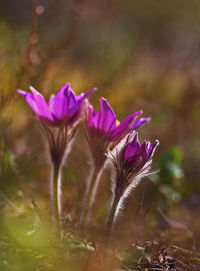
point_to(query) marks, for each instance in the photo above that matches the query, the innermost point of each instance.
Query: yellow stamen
(50, 106)
(117, 123)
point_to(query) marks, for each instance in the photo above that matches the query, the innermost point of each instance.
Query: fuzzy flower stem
(92, 184)
(93, 192)
(55, 188)
(111, 216)
(85, 199)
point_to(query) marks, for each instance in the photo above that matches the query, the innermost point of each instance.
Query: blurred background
(141, 55)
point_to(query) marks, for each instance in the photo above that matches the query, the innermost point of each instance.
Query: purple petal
(37, 103)
(29, 99)
(91, 119)
(71, 101)
(106, 116)
(95, 119)
(22, 92)
(90, 111)
(125, 126)
(42, 106)
(63, 103)
(76, 111)
(132, 147)
(89, 93)
(138, 122)
(85, 95)
(152, 148)
(140, 158)
(142, 153)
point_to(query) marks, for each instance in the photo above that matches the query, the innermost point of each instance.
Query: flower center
(117, 122)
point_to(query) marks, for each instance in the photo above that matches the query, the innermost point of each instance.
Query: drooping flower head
(131, 162)
(63, 112)
(62, 109)
(104, 131)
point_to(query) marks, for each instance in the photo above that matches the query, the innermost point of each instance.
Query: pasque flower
(130, 162)
(103, 131)
(58, 119)
(62, 109)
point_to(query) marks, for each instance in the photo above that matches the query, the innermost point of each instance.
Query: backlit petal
(125, 126)
(132, 147)
(138, 122)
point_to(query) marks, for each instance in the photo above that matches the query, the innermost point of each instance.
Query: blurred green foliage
(8, 170)
(170, 174)
(29, 241)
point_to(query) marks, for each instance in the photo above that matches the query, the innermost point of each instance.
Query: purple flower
(62, 109)
(104, 131)
(131, 162)
(58, 119)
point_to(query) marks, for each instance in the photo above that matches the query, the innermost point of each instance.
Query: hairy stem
(86, 196)
(56, 193)
(93, 192)
(93, 181)
(111, 216)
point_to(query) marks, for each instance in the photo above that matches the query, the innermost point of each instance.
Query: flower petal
(140, 157)
(152, 148)
(138, 122)
(42, 106)
(125, 126)
(29, 99)
(131, 148)
(37, 103)
(88, 93)
(89, 114)
(63, 103)
(106, 116)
